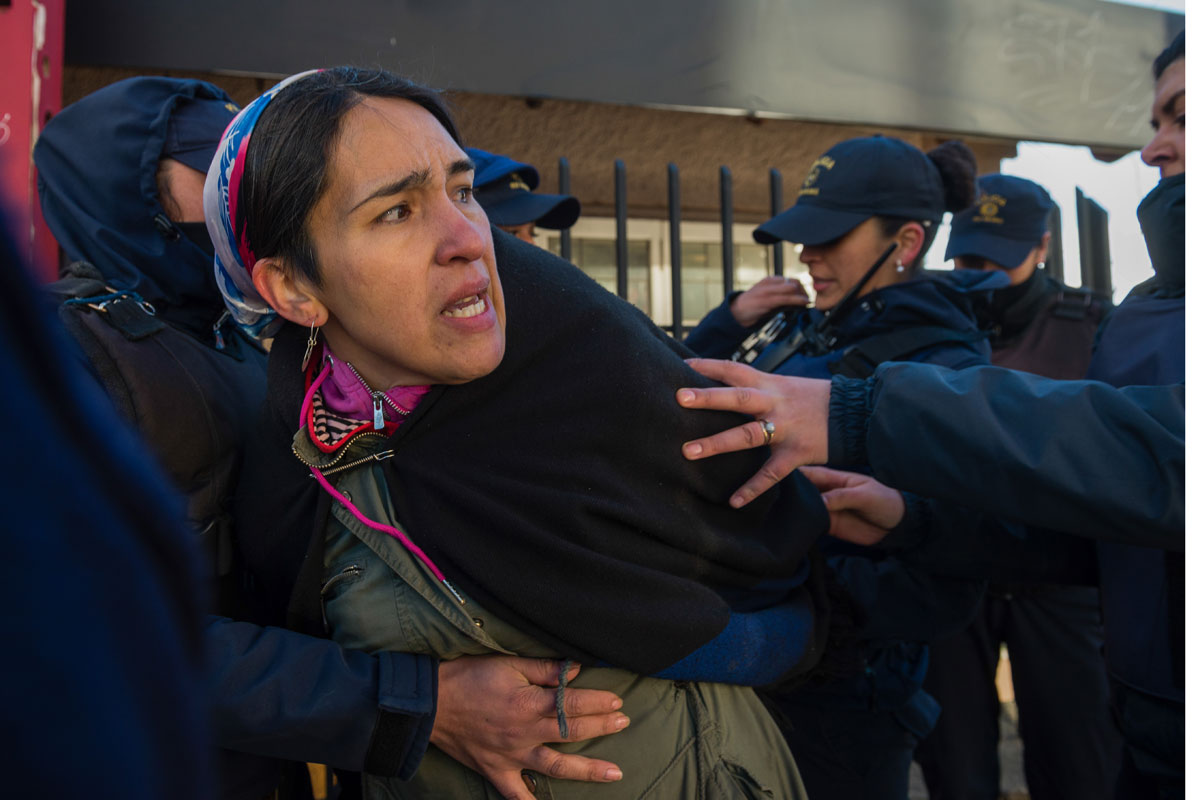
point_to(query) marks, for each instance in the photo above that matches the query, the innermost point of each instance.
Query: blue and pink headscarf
(234, 262)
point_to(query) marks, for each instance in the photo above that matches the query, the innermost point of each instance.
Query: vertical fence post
(726, 229)
(564, 187)
(675, 217)
(776, 208)
(622, 238)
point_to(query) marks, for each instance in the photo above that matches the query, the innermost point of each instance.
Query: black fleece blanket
(553, 490)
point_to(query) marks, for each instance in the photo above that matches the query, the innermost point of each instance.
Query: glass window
(703, 283)
(598, 258)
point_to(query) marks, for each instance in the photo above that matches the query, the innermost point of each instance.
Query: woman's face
(836, 266)
(405, 253)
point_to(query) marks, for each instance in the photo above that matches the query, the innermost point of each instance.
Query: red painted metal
(31, 57)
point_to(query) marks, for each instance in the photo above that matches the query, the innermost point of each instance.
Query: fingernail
(616, 704)
(612, 775)
(686, 395)
(691, 449)
(622, 722)
(737, 501)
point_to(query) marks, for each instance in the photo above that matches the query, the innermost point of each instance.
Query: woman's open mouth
(471, 306)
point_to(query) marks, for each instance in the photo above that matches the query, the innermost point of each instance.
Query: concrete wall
(592, 135)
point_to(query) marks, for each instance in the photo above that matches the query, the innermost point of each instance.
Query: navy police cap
(504, 188)
(1008, 221)
(195, 130)
(855, 180)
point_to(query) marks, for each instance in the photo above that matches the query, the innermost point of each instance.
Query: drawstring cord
(345, 501)
(560, 698)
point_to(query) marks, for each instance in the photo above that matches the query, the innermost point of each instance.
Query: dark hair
(1167, 57)
(286, 162)
(957, 167)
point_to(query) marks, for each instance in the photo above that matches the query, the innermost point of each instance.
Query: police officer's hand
(769, 294)
(861, 509)
(494, 714)
(797, 407)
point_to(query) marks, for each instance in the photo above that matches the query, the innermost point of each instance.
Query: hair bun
(956, 164)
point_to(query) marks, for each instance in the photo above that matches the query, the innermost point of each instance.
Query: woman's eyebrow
(410, 181)
(460, 166)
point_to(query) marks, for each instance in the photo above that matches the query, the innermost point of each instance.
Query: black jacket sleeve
(945, 538)
(900, 602)
(1079, 457)
(287, 695)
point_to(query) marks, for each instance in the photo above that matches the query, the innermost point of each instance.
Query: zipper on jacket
(377, 400)
(380, 456)
(218, 336)
(352, 571)
(345, 448)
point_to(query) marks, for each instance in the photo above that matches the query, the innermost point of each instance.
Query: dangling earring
(312, 342)
(899, 266)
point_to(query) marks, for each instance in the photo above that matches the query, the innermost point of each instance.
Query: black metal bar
(726, 229)
(776, 208)
(676, 219)
(622, 212)
(1054, 258)
(1095, 261)
(564, 187)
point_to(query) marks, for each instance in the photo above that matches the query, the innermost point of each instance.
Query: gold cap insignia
(989, 209)
(809, 188)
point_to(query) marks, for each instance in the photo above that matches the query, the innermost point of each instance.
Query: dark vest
(1049, 331)
(192, 403)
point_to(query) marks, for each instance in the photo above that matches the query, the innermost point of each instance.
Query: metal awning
(1074, 71)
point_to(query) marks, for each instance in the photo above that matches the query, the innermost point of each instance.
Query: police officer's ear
(909, 240)
(289, 293)
(1042, 249)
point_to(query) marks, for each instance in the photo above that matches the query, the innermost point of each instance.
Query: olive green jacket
(685, 739)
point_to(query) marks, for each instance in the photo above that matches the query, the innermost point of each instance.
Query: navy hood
(97, 161)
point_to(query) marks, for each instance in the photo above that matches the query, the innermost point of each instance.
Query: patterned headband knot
(234, 261)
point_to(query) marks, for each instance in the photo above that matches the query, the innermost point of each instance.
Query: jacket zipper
(377, 400)
(380, 456)
(345, 448)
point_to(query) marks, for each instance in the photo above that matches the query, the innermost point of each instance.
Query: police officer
(1107, 462)
(505, 189)
(866, 216)
(1053, 632)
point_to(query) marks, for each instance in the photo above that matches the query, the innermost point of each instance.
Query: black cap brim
(1008, 253)
(556, 211)
(808, 224)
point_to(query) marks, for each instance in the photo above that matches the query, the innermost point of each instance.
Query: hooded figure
(98, 165)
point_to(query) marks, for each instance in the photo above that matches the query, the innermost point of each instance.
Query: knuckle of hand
(742, 396)
(513, 735)
(748, 433)
(556, 765)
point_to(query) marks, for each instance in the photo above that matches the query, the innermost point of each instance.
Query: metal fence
(1093, 231)
(675, 222)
